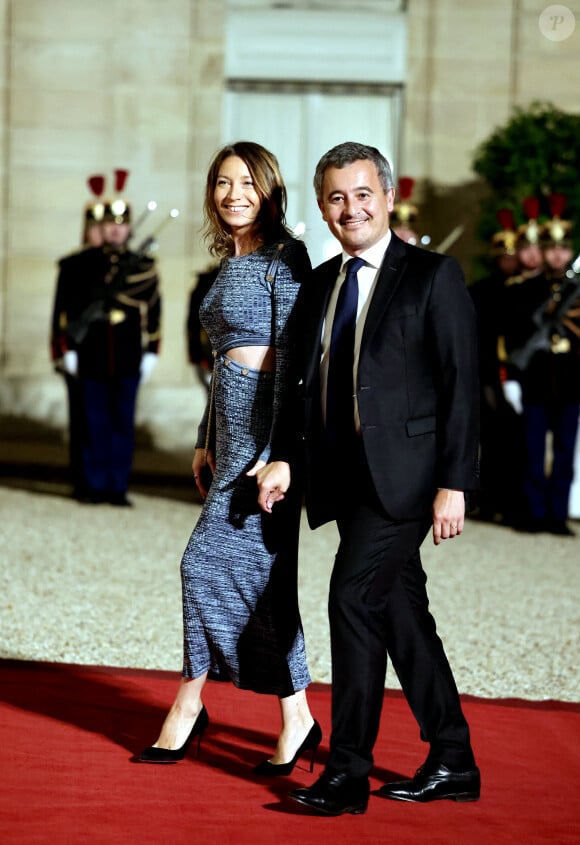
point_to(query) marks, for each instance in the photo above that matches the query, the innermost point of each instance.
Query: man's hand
(448, 514)
(273, 482)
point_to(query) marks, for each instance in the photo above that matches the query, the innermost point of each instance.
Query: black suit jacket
(417, 384)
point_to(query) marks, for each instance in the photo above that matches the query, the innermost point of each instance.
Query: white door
(299, 123)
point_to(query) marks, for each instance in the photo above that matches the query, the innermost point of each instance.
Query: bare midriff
(257, 357)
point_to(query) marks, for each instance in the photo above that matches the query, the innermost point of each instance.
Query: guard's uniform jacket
(550, 383)
(108, 309)
(552, 374)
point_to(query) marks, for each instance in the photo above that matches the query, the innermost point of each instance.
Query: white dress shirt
(367, 279)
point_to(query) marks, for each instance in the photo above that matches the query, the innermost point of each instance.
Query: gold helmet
(557, 231)
(118, 210)
(404, 212)
(529, 232)
(94, 210)
(503, 242)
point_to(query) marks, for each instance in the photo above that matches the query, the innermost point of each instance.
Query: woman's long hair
(265, 171)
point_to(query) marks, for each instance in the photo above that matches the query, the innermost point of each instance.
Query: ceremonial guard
(500, 495)
(91, 236)
(542, 360)
(404, 213)
(107, 333)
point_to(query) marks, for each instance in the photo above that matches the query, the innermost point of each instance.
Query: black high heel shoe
(311, 743)
(170, 755)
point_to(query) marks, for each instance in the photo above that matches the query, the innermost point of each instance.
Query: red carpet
(67, 734)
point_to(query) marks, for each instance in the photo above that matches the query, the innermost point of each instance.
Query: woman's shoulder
(291, 242)
(294, 252)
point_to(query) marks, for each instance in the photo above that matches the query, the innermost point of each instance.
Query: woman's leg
(184, 711)
(296, 723)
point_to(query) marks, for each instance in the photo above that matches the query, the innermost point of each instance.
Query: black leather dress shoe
(432, 782)
(560, 528)
(92, 497)
(120, 500)
(334, 793)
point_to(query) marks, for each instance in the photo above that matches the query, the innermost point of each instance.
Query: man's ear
(321, 207)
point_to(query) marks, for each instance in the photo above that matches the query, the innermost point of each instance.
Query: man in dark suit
(394, 465)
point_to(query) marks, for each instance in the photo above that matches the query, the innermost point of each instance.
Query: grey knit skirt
(239, 570)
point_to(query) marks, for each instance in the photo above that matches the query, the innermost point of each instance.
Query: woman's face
(237, 201)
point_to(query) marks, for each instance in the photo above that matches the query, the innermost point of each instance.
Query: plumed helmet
(529, 232)
(117, 209)
(404, 212)
(503, 242)
(557, 231)
(95, 209)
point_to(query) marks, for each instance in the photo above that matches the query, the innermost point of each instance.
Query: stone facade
(88, 88)
(139, 84)
(468, 65)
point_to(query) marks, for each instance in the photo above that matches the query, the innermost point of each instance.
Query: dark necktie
(340, 428)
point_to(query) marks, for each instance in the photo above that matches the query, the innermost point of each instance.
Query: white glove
(148, 363)
(512, 391)
(70, 362)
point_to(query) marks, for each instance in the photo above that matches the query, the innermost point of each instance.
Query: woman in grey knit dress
(239, 570)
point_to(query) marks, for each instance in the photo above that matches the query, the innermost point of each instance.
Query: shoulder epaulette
(75, 253)
(515, 280)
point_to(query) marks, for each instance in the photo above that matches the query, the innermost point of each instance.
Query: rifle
(99, 309)
(150, 242)
(548, 319)
(449, 240)
(151, 206)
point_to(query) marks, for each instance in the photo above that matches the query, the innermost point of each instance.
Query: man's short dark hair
(347, 153)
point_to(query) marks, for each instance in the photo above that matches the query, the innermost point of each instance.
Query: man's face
(116, 233)
(558, 257)
(355, 206)
(508, 264)
(94, 235)
(531, 257)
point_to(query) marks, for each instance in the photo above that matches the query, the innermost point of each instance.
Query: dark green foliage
(536, 153)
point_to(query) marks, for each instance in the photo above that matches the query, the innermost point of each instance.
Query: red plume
(557, 204)
(531, 208)
(120, 179)
(405, 187)
(96, 184)
(505, 218)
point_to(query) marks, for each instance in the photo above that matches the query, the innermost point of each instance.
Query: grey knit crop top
(245, 308)
(250, 304)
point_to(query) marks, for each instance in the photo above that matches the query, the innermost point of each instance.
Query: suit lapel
(324, 278)
(390, 275)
